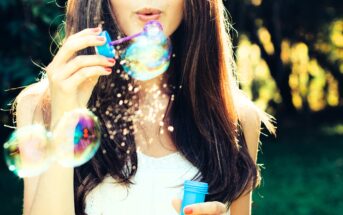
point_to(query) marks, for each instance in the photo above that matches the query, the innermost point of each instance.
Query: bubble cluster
(31, 150)
(28, 151)
(149, 55)
(78, 136)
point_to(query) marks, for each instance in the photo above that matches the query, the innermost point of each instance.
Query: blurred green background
(289, 56)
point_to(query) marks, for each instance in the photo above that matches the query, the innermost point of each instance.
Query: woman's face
(133, 14)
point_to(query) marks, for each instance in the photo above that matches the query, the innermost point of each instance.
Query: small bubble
(125, 131)
(161, 123)
(170, 128)
(122, 144)
(108, 125)
(104, 151)
(133, 167)
(121, 102)
(112, 85)
(128, 151)
(118, 95)
(130, 87)
(118, 71)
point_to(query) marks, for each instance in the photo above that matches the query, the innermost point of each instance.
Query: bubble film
(79, 134)
(28, 151)
(149, 55)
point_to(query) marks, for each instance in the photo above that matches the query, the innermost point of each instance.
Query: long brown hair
(203, 110)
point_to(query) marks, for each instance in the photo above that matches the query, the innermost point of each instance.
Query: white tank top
(157, 182)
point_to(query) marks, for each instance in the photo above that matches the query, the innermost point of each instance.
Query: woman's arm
(52, 191)
(251, 125)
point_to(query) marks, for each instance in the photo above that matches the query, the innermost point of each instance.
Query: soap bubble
(28, 151)
(149, 55)
(78, 136)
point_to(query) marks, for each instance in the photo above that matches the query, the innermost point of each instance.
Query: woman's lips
(148, 14)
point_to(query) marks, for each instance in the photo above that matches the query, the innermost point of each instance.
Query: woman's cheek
(173, 20)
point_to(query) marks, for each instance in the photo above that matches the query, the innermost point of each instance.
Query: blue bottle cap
(194, 192)
(106, 50)
(196, 187)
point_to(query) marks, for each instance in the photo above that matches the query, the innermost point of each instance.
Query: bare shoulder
(27, 102)
(250, 120)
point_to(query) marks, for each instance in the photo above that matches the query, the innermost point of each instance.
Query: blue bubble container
(194, 192)
(106, 50)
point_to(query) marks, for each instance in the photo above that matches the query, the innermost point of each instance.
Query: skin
(125, 13)
(71, 81)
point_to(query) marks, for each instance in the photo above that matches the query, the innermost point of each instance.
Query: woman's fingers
(87, 31)
(74, 44)
(83, 74)
(210, 208)
(82, 61)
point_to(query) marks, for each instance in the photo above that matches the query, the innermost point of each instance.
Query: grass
(302, 175)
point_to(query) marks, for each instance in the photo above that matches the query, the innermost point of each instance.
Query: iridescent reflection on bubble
(28, 151)
(79, 136)
(149, 55)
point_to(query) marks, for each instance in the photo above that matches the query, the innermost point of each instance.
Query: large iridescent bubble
(78, 136)
(28, 151)
(149, 54)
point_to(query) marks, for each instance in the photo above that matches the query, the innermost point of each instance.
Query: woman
(201, 127)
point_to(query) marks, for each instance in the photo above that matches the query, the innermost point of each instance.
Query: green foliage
(307, 22)
(28, 28)
(4, 4)
(27, 34)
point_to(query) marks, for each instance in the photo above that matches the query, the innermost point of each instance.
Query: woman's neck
(152, 131)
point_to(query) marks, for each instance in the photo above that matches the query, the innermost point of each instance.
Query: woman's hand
(72, 79)
(206, 208)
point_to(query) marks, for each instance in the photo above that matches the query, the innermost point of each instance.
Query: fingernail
(100, 38)
(188, 210)
(108, 69)
(111, 60)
